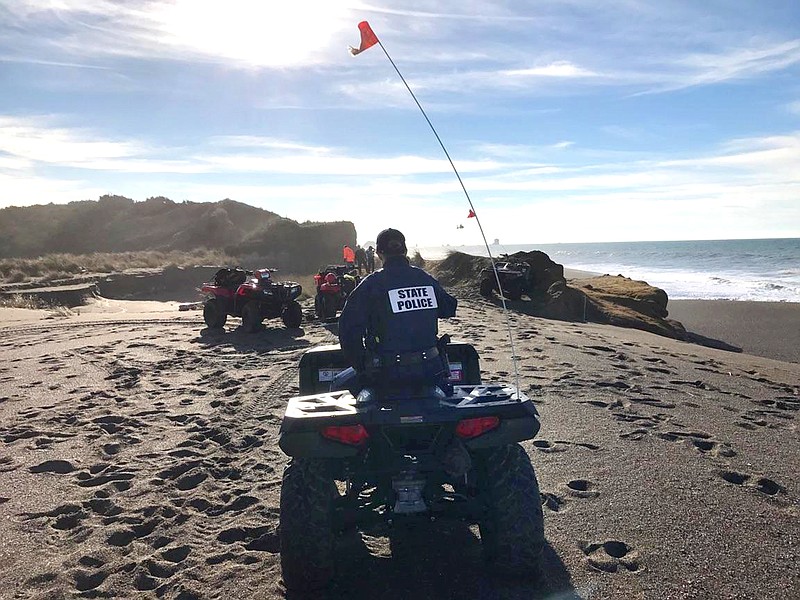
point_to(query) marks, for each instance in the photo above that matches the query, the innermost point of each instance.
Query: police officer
(388, 327)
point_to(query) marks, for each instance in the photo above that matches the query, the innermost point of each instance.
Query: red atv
(334, 283)
(253, 296)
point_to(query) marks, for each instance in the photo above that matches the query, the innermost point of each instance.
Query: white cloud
(272, 34)
(36, 139)
(260, 142)
(741, 194)
(41, 140)
(746, 61)
(560, 68)
(241, 32)
(30, 189)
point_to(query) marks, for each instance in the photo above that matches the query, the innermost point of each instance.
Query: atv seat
(319, 366)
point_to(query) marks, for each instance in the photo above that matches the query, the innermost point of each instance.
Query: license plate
(456, 372)
(328, 374)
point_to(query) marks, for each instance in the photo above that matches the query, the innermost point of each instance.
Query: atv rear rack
(331, 404)
(307, 416)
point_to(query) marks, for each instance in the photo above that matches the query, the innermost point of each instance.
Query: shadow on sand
(529, 308)
(266, 340)
(439, 561)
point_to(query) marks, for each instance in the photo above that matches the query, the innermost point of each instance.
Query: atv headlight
(295, 291)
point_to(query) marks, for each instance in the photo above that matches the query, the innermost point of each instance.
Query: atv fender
(509, 432)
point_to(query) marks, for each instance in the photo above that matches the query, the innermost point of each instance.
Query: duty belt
(406, 358)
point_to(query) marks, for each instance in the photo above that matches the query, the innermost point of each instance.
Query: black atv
(253, 296)
(406, 456)
(514, 276)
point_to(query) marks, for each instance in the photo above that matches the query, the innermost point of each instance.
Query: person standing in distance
(361, 258)
(348, 256)
(370, 259)
(388, 329)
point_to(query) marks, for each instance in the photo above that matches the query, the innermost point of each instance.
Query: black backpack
(230, 278)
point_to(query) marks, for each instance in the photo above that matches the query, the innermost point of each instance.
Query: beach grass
(50, 267)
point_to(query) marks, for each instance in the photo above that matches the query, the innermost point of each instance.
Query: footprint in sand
(582, 488)
(552, 501)
(653, 402)
(123, 537)
(635, 435)
(701, 441)
(547, 446)
(611, 556)
(764, 485)
(64, 517)
(86, 581)
(8, 464)
(262, 539)
(102, 474)
(772, 419)
(53, 466)
(560, 445)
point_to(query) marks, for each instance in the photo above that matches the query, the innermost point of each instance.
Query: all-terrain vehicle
(514, 276)
(253, 296)
(334, 283)
(406, 456)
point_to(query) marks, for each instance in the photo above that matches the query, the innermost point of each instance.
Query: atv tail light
(353, 435)
(470, 428)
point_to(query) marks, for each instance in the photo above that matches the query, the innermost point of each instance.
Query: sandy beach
(770, 329)
(138, 458)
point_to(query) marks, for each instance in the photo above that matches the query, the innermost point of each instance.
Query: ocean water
(761, 270)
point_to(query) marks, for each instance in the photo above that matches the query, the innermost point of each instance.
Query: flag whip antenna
(369, 39)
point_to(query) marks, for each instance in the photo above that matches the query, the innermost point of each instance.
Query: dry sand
(138, 458)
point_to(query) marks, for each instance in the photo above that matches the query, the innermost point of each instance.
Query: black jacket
(393, 310)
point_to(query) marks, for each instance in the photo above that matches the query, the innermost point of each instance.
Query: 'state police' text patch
(412, 298)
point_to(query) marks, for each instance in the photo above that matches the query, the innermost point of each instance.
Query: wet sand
(770, 329)
(138, 458)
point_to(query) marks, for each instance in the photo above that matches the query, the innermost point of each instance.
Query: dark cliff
(118, 224)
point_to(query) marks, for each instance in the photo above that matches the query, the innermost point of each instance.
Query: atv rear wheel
(512, 531)
(292, 315)
(329, 306)
(251, 317)
(487, 287)
(306, 525)
(214, 313)
(513, 290)
(325, 306)
(318, 308)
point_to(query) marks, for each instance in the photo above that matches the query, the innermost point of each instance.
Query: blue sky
(568, 120)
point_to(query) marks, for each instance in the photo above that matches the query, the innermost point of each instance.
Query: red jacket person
(348, 255)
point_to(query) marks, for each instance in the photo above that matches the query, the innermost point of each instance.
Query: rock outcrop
(544, 271)
(615, 300)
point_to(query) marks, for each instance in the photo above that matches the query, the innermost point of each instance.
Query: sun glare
(255, 32)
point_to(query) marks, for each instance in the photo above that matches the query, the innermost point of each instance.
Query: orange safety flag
(368, 38)
(471, 214)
